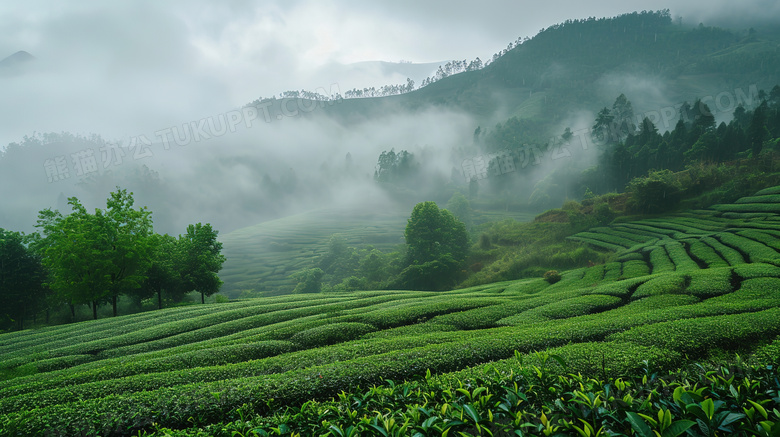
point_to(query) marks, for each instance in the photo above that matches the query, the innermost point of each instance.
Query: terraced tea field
(725, 235)
(686, 287)
(262, 257)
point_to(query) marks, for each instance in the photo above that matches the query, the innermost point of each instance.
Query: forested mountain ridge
(573, 63)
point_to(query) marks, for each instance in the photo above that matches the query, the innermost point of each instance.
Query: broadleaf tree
(201, 260)
(436, 247)
(93, 258)
(129, 246)
(163, 272)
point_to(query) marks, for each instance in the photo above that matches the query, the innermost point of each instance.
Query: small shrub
(552, 276)
(221, 298)
(658, 192)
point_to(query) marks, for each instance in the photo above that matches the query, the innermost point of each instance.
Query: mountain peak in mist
(16, 64)
(18, 58)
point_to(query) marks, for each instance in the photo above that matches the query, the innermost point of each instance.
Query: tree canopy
(21, 280)
(436, 246)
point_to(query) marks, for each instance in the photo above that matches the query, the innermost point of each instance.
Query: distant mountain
(585, 64)
(15, 63)
(366, 74)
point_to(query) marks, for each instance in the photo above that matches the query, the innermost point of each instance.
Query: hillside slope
(685, 287)
(585, 64)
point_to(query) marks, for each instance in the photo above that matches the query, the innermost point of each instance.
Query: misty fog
(128, 70)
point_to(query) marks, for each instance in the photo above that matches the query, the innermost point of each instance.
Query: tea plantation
(646, 345)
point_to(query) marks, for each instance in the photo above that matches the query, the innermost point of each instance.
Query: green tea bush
(769, 190)
(613, 271)
(764, 198)
(593, 275)
(598, 243)
(757, 252)
(761, 237)
(664, 284)
(747, 215)
(622, 289)
(573, 307)
(331, 334)
(552, 276)
(409, 314)
(487, 317)
(757, 270)
(528, 286)
(630, 256)
(768, 354)
(660, 260)
(639, 230)
(604, 237)
(707, 254)
(654, 231)
(732, 256)
(696, 337)
(680, 257)
(701, 225)
(58, 363)
(672, 225)
(418, 329)
(759, 288)
(629, 236)
(773, 208)
(710, 282)
(635, 268)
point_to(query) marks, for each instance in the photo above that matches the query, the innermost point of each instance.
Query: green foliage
(635, 268)
(459, 206)
(660, 260)
(95, 257)
(521, 250)
(707, 254)
(757, 270)
(768, 191)
(594, 303)
(729, 254)
(658, 192)
(396, 168)
(163, 272)
(696, 336)
(665, 284)
(755, 251)
(21, 280)
(437, 245)
(679, 256)
(309, 280)
(711, 282)
(552, 276)
(331, 334)
(202, 259)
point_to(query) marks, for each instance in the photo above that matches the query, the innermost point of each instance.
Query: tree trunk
(113, 304)
(47, 315)
(159, 298)
(94, 309)
(202, 297)
(72, 311)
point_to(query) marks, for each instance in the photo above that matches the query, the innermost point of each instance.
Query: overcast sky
(122, 68)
